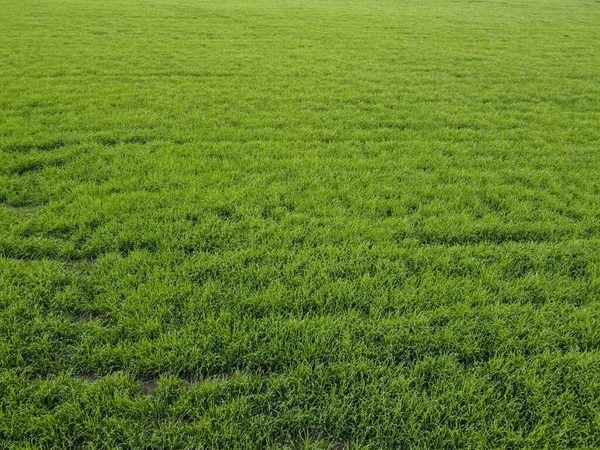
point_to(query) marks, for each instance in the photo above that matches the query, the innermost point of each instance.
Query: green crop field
(300, 224)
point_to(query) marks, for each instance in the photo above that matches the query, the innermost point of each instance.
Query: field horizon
(309, 224)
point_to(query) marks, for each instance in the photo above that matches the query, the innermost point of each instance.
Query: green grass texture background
(307, 224)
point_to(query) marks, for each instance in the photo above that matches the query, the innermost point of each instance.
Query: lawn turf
(300, 224)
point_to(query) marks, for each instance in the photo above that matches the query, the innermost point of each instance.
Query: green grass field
(301, 224)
